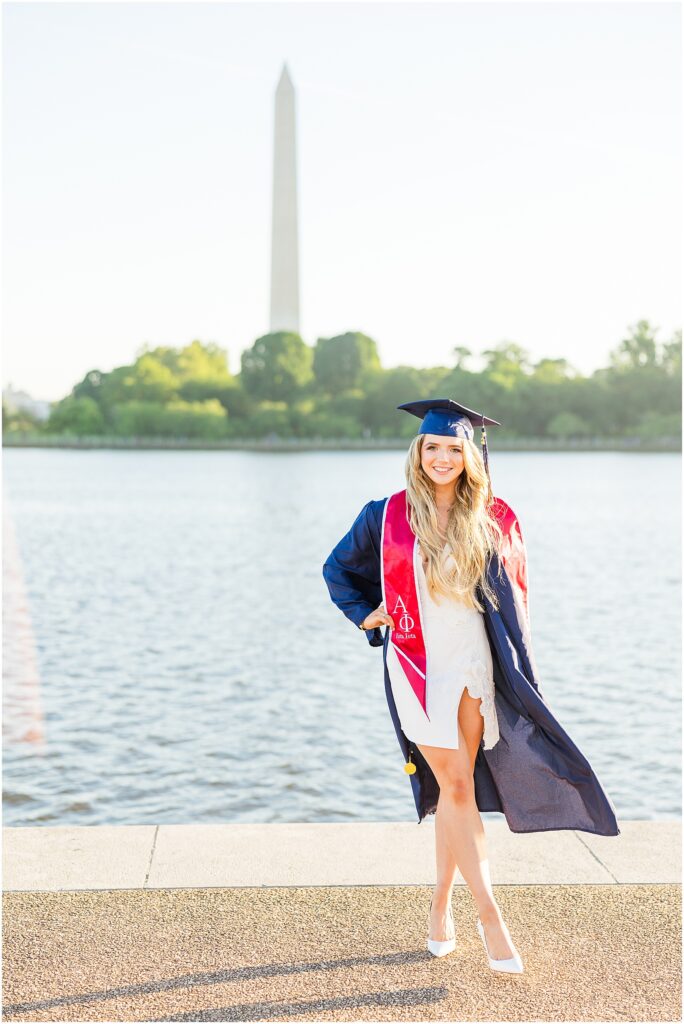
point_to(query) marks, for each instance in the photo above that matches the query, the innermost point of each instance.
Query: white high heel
(513, 965)
(441, 947)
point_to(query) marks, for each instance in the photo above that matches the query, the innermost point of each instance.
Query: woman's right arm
(352, 575)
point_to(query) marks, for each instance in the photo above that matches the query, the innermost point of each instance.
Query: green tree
(567, 425)
(205, 420)
(194, 373)
(506, 364)
(386, 391)
(114, 388)
(201, 370)
(639, 349)
(431, 381)
(266, 419)
(345, 404)
(151, 381)
(331, 425)
(671, 357)
(462, 355)
(230, 394)
(189, 391)
(196, 361)
(277, 368)
(655, 424)
(148, 379)
(538, 397)
(589, 398)
(641, 379)
(176, 419)
(553, 371)
(342, 362)
(90, 386)
(480, 392)
(80, 417)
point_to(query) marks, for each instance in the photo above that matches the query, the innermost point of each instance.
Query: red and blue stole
(400, 592)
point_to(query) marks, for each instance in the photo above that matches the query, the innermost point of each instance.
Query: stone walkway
(363, 853)
(591, 952)
(605, 950)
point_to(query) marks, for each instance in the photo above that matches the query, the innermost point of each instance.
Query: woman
(442, 565)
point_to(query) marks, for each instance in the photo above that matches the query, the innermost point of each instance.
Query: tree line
(339, 389)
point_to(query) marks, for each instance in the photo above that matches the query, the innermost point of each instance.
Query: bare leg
(446, 875)
(459, 833)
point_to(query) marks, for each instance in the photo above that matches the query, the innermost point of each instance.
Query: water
(172, 655)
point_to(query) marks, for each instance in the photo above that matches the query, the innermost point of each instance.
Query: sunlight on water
(172, 655)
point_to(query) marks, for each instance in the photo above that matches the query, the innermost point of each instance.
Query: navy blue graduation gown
(535, 775)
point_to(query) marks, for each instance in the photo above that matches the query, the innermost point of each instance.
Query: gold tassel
(409, 767)
(485, 459)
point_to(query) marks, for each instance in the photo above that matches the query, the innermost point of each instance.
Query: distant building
(284, 231)
(21, 401)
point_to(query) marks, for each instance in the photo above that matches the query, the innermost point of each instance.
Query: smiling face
(442, 458)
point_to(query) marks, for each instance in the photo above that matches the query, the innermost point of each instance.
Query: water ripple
(188, 665)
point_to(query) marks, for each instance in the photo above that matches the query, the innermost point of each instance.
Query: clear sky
(469, 173)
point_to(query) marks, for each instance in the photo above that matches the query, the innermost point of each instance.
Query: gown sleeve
(513, 555)
(352, 572)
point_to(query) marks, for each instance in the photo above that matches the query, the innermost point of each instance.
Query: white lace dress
(458, 656)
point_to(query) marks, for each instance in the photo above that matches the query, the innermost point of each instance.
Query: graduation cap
(446, 418)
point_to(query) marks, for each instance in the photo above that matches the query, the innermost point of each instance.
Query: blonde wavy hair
(472, 535)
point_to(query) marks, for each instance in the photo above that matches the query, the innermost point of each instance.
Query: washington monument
(284, 235)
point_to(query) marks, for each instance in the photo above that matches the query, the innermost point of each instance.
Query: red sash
(400, 588)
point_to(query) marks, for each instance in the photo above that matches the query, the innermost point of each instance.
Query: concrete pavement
(360, 853)
(248, 922)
